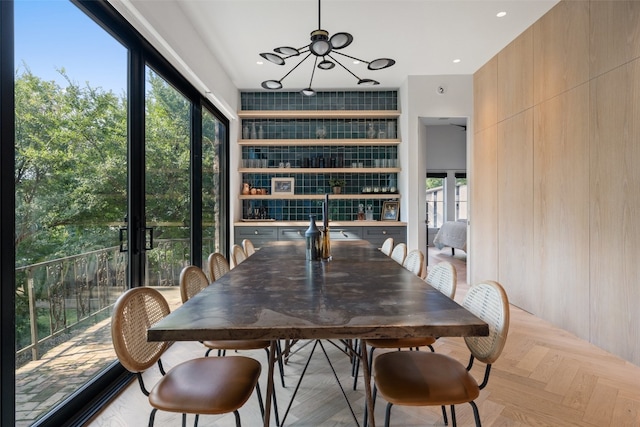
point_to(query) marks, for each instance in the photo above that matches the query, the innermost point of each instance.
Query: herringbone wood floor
(545, 377)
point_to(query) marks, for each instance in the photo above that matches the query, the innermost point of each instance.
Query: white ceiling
(423, 36)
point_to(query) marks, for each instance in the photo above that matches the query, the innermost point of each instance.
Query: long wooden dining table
(277, 294)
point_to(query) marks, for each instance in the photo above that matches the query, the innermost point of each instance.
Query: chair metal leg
(453, 416)
(387, 414)
(195, 422)
(260, 402)
(184, 420)
(444, 415)
(476, 414)
(237, 414)
(152, 416)
(356, 364)
(280, 363)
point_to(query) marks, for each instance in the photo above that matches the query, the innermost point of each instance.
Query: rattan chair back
(248, 247)
(399, 253)
(489, 302)
(444, 277)
(414, 261)
(192, 281)
(218, 266)
(237, 255)
(134, 312)
(387, 246)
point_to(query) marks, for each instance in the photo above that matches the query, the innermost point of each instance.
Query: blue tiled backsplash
(299, 210)
(319, 156)
(338, 100)
(318, 128)
(351, 156)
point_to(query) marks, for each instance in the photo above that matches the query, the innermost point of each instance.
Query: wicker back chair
(237, 255)
(413, 378)
(248, 247)
(218, 266)
(414, 262)
(399, 253)
(387, 246)
(197, 386)
(444, 277)
(192, 281)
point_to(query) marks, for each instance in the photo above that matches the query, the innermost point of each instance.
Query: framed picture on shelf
(390, 211)
(282, 186)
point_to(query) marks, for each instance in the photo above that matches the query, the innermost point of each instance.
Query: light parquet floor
(545, 377)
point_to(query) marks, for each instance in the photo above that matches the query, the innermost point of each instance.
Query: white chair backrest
(413, 262)
(489, 302)
(387, 246)
(399, 253)
(444, 277)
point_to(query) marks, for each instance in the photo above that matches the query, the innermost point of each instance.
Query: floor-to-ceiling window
(71, 200)
(167, 198)
(213, 182)
(104, 177)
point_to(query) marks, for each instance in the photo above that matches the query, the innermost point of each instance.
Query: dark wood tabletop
(277, 294)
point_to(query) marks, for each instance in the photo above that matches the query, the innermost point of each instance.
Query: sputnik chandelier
(322, 47)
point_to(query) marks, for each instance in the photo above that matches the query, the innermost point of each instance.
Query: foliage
(70, 174)
(337, 182)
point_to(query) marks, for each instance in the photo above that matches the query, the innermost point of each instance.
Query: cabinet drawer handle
(255, 232)
(299, 233)
(343, 233)
(384, 232)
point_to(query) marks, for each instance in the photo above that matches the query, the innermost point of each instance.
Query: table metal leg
(366, 375)
(270, 385)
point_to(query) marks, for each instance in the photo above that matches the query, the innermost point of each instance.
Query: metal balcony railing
(57, 297)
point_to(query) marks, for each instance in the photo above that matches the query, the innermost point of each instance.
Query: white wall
(446, 148)
(419, 97)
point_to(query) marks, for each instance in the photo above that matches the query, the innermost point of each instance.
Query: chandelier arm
(340, 64)
(297, 65)
(351, 57)
(313, 71)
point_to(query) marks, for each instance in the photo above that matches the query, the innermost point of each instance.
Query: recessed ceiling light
(455, 61)
(501, 14)
(259, 62)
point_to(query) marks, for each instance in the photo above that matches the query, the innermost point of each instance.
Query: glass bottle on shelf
(369, 213)
(371, 132)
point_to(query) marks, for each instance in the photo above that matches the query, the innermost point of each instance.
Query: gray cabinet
(258, 235)
(376, 235)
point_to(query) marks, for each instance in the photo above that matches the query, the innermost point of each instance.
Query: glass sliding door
(213, 138)
(71, 200)
(167, 183)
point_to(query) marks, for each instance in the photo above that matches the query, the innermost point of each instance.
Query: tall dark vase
(312, 239)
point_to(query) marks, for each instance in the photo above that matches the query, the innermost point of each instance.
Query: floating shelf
(320, 114)
(316, 142)
(318, 170)
(320, 196)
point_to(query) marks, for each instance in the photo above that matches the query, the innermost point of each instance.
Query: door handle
(123, 241)
(148, 238)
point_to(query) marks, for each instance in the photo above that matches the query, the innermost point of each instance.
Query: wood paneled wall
(559, 168)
